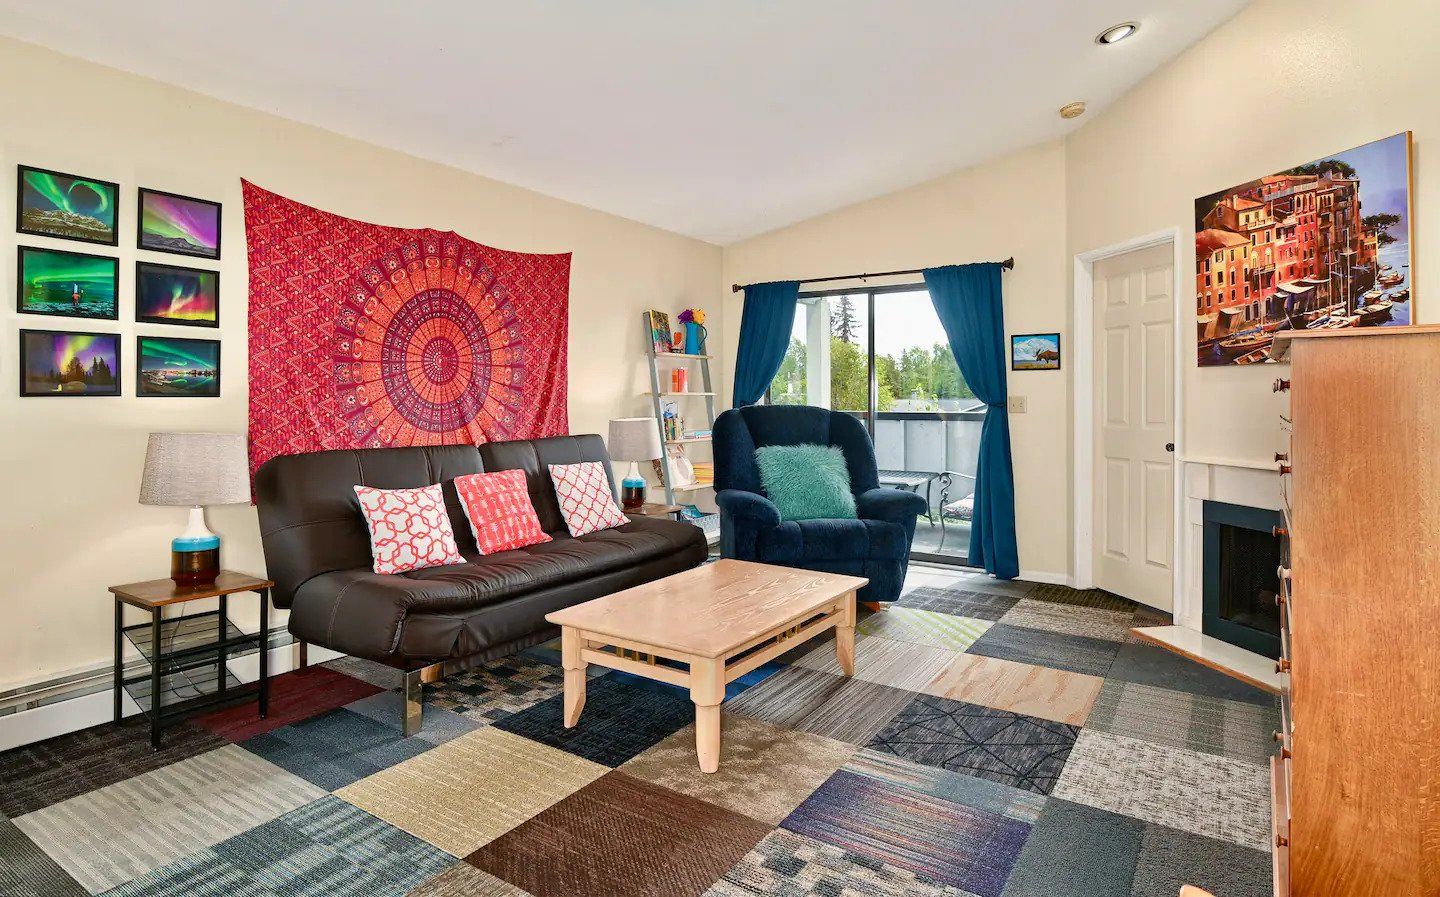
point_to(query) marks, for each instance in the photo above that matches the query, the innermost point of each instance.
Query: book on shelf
(704, 471)
(697, 434)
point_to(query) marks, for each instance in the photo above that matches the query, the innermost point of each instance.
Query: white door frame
(1083, 348)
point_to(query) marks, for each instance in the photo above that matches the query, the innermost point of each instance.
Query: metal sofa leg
(414, 701)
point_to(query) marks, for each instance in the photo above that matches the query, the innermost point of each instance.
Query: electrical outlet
(1017, 405)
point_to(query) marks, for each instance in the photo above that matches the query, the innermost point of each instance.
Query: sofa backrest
(740, 431)
(310, 520)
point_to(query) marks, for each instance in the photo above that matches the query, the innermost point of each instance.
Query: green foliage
(922, 375)
(1381, 222)
(842, 322)
(1326, 166)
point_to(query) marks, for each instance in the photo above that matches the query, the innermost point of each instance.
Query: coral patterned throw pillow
(586, 502)
(409, 528)
(499, 510)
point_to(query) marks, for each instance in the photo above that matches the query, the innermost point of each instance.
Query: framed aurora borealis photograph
(183, 225)
(53, 363)
(170, 294)
(175, 367)
(66, 284)
(67, 206)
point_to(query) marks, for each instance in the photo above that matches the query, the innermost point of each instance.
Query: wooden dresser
(1357, 783)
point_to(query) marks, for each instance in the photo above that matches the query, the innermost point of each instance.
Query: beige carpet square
(884, 661)
(1025, 688)
(473, 789)
(1095, 622)
(765, 771)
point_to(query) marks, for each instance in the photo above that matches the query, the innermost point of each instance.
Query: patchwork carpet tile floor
(997, 740)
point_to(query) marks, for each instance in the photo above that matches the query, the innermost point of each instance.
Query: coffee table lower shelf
(705, 677)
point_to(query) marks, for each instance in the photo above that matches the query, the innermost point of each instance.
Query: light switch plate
(1016, 404)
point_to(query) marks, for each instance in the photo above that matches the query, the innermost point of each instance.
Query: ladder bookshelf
(677, 494)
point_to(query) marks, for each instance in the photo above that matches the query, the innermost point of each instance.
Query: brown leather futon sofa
(428, 623)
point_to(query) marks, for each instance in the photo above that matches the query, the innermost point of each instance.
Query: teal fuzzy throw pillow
(806, 482)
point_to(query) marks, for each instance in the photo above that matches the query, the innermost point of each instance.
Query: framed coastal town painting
(175, 367)
(53, 363)
(66, 284)
(67, 206)
(170, 294)
(1323, 245)
(1035, 352)
(183, 225)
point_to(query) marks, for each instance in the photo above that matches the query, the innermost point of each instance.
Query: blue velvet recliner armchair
(877, 545)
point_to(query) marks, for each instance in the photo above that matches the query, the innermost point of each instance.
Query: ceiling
(719, 119)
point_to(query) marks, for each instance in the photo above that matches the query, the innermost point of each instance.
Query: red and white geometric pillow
(499, 510)
(586, 502)
(409, 528)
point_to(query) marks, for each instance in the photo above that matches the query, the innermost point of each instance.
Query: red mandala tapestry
(363, 336)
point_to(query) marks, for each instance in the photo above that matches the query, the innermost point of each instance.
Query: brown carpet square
(622, 837)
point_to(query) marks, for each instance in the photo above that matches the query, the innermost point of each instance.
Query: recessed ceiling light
(1116, 33)
(1072, 110)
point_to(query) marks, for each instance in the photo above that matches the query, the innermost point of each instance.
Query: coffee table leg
(707, 690)
(570, 646)
(845, 635)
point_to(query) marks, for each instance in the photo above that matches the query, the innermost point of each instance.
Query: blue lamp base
(195, 553)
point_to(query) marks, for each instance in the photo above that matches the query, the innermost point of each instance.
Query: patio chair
(961, 510)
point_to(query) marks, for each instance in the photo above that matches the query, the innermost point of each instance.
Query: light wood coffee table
(712, 624)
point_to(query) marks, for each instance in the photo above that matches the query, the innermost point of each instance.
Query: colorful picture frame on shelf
(60, 363)
(176, 367)
(183, 225)
(171, 294)
(659, 323)
(1035, 352)
(66, 284)
(66, 206)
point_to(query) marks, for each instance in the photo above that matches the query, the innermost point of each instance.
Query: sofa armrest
(894, 505)
(750, 505)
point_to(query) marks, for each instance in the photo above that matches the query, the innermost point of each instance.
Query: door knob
(1169, 446)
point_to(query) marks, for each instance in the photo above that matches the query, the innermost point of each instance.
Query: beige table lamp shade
(193, 470)
(634, 439)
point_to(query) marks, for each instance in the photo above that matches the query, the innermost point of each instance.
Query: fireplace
(1241, 558)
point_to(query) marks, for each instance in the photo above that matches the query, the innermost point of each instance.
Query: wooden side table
(183, 649)
(651, 509)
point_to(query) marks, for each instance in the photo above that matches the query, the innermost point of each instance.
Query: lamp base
(195, 553)
(632, 489)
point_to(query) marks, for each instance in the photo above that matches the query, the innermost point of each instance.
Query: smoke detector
(1072, 110)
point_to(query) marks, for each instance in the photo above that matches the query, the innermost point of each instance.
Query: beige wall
(1013, 206)
(70, 469)
(1284, 82)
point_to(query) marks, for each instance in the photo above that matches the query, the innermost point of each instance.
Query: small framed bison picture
(1035, 352)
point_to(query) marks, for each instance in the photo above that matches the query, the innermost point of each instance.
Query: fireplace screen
(1241, 561)
(1249, 581)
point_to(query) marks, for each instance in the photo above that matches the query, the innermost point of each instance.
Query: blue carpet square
(337, 748)
(938, 840)
(326, 848)
(622, 717)
(1075, 849)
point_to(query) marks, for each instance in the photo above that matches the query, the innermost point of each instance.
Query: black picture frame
(191, 253)
(141, 267)
(1017, 338)
(20, 227)
(140, 388)
(20, 309)
(24, 354)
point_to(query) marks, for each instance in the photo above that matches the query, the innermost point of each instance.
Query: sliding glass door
(882, 356)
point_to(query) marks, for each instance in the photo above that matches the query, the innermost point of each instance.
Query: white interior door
(1135, 424)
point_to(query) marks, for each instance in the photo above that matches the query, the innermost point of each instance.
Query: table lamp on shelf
(193, 470)
(634, 439)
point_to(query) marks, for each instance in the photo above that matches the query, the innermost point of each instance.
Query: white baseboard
(62, 717)
(1054, 579)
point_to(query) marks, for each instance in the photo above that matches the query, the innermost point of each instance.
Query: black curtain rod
(1008, 265)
